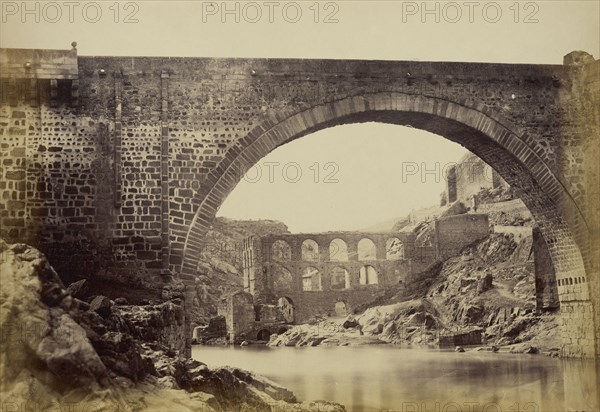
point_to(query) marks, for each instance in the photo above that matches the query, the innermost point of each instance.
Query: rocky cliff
(59, 351)
(489, 286)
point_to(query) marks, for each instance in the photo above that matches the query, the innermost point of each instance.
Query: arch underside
(496, 142)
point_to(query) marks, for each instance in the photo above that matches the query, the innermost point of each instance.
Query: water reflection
(373, 378)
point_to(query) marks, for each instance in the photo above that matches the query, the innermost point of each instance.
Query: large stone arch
(509, 150)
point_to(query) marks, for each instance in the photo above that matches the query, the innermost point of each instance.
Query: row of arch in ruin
(337, 250)
(338, 278)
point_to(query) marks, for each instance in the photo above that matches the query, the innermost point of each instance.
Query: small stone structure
(238, 310)
(471, 337)
(246, 321)
(465, 179)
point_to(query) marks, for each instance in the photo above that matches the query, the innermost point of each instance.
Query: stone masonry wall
(265, 258)
(454, 233)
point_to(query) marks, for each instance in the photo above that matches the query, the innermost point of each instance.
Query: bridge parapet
(39, 64)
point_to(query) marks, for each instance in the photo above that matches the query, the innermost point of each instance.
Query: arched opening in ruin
(368, 275)
(310, 251)
(394, 249)
(341, 309)
(311, 279)
(263, 335)
(340, 278)
(367, 249)
(338, 251)
(281, 251)
(285, 306)
(282, 278)
(516, 157)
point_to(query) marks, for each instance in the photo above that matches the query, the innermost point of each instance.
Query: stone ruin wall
(261, 265)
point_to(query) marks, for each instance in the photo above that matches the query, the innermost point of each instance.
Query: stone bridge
(124, 161)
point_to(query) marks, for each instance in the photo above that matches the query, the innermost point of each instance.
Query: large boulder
(163, 322)
(222, 266)
(122, 355)
(43, 340)
(473, 314)
(519, 325)
(350, 323)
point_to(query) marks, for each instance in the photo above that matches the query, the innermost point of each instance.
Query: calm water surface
(386, 377)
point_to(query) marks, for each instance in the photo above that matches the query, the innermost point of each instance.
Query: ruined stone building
(295, 277)
(467, 178)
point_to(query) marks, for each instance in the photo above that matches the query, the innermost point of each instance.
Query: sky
(367, 159)
(531, 32)
(345, 178)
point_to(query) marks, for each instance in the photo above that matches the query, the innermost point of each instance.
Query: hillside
(490, 285)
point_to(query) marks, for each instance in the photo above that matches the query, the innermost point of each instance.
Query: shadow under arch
(484, 132)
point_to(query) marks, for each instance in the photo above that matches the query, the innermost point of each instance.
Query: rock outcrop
(45, 355)
(58, 350)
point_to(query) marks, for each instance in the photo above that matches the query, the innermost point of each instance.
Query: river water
(391, 378)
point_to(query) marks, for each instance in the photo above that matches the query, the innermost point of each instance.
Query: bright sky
(365, 29)
(346, 177)
(368, 157)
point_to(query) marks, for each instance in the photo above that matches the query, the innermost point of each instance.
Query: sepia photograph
(309, 205)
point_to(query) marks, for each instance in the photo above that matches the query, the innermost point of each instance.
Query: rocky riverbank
(58, 350)
(329, 332)
(527, 334)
